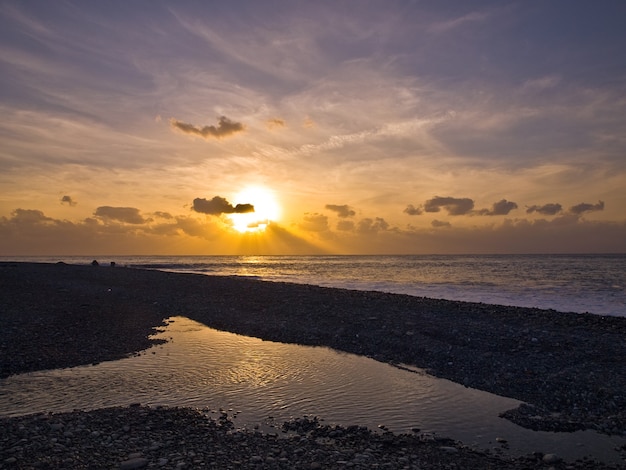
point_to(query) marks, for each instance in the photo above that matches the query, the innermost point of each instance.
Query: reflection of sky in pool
(205, 368)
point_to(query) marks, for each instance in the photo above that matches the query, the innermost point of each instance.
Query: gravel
(142, 437)
(566, 367)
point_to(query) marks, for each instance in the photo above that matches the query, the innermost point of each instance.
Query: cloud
(440, 223)
(225, 128)
(502, 207)
(372, 225)
(275, 123)
(412, 210)
(454, 206)
(29, 217)
(163, 215)
(449, 25)
(314, 223)
(68, 200)
(546, 209)
(543, 83)
(128, 215)
(219, 205)
(345, 226)
(342, 211)
(585, 207)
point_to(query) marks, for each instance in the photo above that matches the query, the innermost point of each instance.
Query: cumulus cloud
(219, 205)
(68, 200)
(163, 215)
(225, 128)
(454, 206)
(546, 209)
(128, 215)
(372, 225)
(29, 217)
(412, 210)
(585, 207)
(502, 207)
(341, 210)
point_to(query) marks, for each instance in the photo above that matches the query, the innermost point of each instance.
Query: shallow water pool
(254, 380)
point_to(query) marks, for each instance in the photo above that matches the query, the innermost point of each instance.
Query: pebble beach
(567, 368)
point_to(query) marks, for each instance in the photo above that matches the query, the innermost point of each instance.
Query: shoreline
(567, 367)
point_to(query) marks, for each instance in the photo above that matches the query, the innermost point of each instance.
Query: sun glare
(266, 209)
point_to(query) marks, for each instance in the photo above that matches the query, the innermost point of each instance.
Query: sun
(266, 209)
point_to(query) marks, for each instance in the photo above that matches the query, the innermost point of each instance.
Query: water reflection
(206, 368)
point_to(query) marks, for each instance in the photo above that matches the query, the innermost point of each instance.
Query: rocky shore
(142, 437)
(568, 368)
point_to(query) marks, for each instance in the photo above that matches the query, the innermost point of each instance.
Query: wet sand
(567, 367)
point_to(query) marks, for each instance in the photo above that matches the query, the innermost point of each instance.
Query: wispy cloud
(275, 123)
(458, 22)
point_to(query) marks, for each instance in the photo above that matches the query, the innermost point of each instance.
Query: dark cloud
(218, 205)
(585, 207)
(225, 128)
(440, 223)
(68, 200)
(502, 207)
(372, 225)
(454, 206)
(342, 211)
(546, 209)
(129, 215)
(412, 210)
(29, 217)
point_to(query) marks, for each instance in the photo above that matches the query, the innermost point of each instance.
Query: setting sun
(266, 209)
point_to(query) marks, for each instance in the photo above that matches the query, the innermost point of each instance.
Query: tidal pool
(260, 382)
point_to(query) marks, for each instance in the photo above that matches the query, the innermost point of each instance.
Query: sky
(300, 127)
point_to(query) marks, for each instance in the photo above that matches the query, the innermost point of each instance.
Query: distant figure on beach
(95, 263)
(112, 264)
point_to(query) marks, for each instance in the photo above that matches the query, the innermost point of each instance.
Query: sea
(577, 283)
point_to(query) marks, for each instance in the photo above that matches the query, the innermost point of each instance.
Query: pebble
(550, 458)
(137, 462)
(449, 450)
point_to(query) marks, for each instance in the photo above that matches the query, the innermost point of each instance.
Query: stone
(449, 449)
(551, 458)
(137, 462)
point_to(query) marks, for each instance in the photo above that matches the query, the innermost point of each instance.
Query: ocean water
(567, 283)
